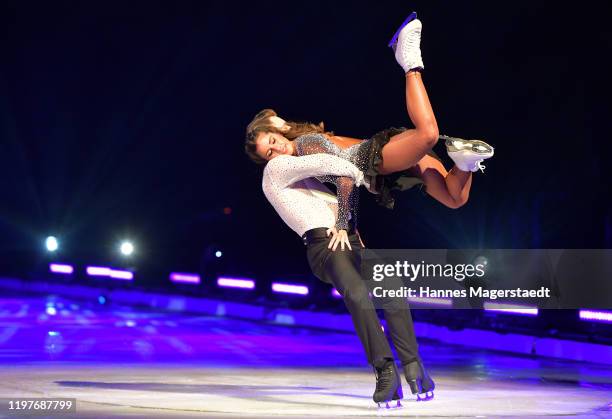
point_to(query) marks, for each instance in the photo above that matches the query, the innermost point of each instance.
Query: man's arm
(285, 170)
(282, 171)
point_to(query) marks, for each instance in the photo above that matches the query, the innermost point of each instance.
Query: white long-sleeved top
(302, 202)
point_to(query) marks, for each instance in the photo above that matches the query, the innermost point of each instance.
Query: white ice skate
(468, 155)
(407, 44)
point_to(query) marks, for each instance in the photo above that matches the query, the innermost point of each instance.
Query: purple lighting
(98, 271)
(428, 301)
(117, 274)
(335, 293)
(511, 309)
(186, 278)
(596, 316)
(236, 283)
(109, 273)
(289, 288)
(61, 269)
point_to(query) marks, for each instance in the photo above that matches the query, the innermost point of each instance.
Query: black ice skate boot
(419, 381)
(388, 385)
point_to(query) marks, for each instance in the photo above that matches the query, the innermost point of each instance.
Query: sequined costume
(367, 156)
(347, 193)
(296, 197)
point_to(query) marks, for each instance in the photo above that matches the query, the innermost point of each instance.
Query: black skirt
(384, 185)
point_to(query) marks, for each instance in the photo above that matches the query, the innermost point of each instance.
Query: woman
(393, 159)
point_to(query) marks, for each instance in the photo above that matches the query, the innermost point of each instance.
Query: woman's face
(271, 144)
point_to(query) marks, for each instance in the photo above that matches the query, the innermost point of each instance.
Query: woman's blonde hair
(261, 123)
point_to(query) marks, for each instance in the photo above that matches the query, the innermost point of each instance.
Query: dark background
(126, 119)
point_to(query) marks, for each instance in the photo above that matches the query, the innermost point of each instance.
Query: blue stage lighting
(51, 244)
(126, 248)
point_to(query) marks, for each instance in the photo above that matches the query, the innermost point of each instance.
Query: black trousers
(342, 270)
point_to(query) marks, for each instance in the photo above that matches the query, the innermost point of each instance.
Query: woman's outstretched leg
(458, 184)
(404, 150)
(407, 148)
(451, 188)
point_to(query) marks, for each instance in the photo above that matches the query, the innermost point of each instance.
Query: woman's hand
(338, 237)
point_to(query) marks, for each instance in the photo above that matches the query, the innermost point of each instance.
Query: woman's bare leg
(459, 184)
(450, 188)
(404, 150)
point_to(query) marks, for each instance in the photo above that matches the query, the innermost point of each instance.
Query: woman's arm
(285, 170)
(347, 201)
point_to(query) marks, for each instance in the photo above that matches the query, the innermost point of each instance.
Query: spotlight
(218, 253)
(51, 244)
(126, 248)
(481, 260)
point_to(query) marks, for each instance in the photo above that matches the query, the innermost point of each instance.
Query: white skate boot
(468, 155)
(407, 44)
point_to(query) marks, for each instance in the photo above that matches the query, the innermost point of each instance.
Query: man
(310, 209)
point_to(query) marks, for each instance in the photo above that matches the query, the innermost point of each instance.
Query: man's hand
(338, 237)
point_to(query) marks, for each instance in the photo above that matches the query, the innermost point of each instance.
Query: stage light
(61, 269)
(596, 316)
(236, 283)
(51, 244)
(218, 253)
(481, 260)
(126, 248)
(335, 293)
(103, 271)
(429, 301)
(102, 299)
(118, 274)
(289, 288)
(98, 271)
(505, 308)
(184, 277)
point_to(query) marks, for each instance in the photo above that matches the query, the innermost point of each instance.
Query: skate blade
(423, 397)
(389, 406)
(409, 19)
(475, 146)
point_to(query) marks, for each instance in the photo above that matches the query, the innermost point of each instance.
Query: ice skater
(392, 159)
(310, 209)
